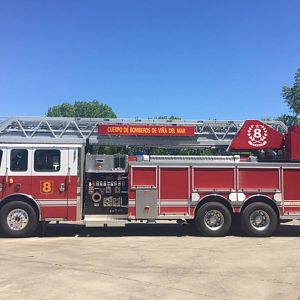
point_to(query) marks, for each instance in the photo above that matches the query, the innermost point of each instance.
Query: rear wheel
(259, 219)
(18, 219)
(213, 219)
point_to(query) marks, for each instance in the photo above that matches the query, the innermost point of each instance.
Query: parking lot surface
(150, 262)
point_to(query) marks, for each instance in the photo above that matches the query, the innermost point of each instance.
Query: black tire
(203, 221)
(30, 223)
(266, 223)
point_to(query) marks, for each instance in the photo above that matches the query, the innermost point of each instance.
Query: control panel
(106, 193)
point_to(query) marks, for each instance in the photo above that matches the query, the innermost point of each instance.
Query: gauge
(96, 197)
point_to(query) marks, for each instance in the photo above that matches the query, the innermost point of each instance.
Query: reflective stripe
(291, 203)
(57, 202)
(69, 205)
(174, 203)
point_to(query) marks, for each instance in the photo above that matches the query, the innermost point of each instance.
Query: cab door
(18, 171)
(50, 174)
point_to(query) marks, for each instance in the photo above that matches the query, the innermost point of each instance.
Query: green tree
(288, 120)
(291, 97)
(82, 109)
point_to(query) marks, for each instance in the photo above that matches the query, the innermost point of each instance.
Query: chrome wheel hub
(260, 220)
(17, 219)
(213, 219)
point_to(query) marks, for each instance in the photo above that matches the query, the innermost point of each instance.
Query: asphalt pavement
(150, 262)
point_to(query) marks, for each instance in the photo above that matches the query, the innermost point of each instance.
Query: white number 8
(257, 133)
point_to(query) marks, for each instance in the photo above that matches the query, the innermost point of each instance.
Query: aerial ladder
(202, 133)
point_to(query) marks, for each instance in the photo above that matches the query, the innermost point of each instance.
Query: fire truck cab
(47, 174)
(43, 178)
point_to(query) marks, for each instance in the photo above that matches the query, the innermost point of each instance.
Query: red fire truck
(47, 174)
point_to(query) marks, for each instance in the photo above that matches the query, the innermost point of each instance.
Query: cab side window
(19, 160)
(47, 160)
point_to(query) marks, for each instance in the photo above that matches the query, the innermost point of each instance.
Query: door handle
(62, 187)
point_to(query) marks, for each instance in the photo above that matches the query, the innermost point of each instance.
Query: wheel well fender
(24, 198)
(214, 198)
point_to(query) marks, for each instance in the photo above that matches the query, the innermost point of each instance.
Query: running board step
(105, 221)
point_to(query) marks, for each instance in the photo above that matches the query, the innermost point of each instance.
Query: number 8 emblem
(257, 135)
(46, 187)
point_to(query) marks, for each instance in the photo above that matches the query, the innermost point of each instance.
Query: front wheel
(213, 219)
(259, 219)
(18, 219)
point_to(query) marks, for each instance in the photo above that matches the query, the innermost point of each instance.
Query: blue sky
(192, 58)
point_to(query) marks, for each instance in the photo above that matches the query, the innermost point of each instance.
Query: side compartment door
(50, 172)
(174, 190)
(146, 204)
(3, 172)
